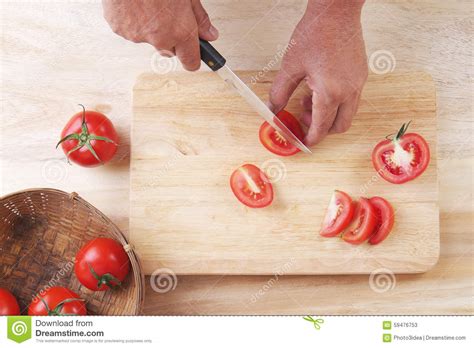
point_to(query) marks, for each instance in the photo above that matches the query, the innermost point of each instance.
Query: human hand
(327, 50)
(171, 26)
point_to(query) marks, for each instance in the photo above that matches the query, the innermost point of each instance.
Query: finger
(283, 87)
(306, 102)
(306, 118)
(166, 53)
(206, 30)
(345, 114)
(188, 53)
(323, 115)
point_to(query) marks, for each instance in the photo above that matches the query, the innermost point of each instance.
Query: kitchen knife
(214, 60)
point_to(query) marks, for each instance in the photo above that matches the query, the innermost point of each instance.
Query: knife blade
(214, 60)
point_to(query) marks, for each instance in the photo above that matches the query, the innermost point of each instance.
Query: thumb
(206, 30)
(282, 88)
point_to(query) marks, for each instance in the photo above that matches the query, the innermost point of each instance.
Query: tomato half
(102, 264)
(362, 224)
(89, 139)
(338, 215)
(8, 303)
(251, 186)
(274, 141)
(385, 218)
(402, 159)
(57, 301)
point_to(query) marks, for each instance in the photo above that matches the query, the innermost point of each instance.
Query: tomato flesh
(251, 186)
(101, 264)
(275, 142)
(403, 159)
(338, 215)
(54, 297)
(362, 224)
(385, 218)
(8, 303)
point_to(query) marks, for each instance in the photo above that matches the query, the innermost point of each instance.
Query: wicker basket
(41, 232)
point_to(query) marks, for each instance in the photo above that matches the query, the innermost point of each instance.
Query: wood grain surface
(58, 54)
(190, 132)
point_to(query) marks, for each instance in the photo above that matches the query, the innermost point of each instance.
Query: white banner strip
(237, 331)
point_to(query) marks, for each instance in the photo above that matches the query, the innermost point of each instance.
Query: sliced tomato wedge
(251, 186)
(402, 159)
(362, 224)
(385, 218)
(274, 141)
(338, 215)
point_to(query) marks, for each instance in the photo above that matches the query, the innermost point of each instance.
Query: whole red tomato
(102, 264)
(8, 303)
(89, 139)
(57, 301)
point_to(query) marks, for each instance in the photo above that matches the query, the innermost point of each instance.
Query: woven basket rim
(135, 260)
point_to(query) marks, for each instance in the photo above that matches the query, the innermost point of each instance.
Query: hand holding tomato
(102, 264)
(89, 139)
(57, 300)
(327, 51)
(8, 303)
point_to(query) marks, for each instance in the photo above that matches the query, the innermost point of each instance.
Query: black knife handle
(210, 56)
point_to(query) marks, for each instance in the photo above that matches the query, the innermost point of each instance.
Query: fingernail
(213, 31)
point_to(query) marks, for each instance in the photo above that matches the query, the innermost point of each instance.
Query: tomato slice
(338, 215)
(402, 159)
(362, 224)
(274, 141)
(385, 218)
(251, 186)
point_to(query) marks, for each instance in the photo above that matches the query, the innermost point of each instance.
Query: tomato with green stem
(338, 214)
(362, 224)
(251, 186)
(276, 143)
(57, 301)
(102, 264)
(89, 139)
(403, 158)
(8, 303)
(385, 218)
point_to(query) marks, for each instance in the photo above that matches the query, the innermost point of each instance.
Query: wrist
(335, 5)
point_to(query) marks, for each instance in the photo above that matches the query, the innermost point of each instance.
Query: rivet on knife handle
(210, 56)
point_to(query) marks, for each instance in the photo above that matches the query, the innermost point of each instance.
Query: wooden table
(56, 55)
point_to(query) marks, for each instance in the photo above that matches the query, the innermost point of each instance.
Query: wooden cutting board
(190, 131)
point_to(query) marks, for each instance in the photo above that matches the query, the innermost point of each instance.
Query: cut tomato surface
(276, 142)
(402, 159)
(251, 186)
(385, 218)
(338, 215)
(362, 224)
